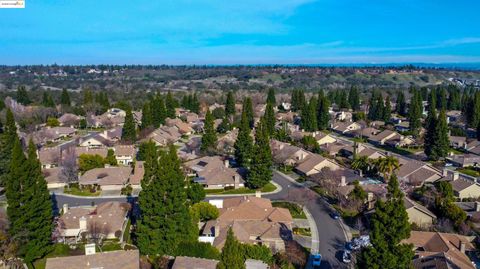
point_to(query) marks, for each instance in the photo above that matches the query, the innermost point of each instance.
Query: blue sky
(240, 32)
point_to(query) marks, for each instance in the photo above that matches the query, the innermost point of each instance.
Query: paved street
(331, 237)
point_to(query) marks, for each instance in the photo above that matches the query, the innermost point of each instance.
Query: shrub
(204, 211)
(198, 249)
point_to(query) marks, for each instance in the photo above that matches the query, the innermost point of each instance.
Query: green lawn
(469, 171)
(295, 210)
(80, 192)
(267, 188)
(59, 250)
(126, 234)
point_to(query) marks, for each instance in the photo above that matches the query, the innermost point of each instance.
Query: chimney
(477, 206)
(343, 181)
(83, 223)
(455, 176)
(105, 133)
(462, 247)
(445, 172)
(89, 249)
(226, 163)
(65, 208)
(236, 180)
(258, 194)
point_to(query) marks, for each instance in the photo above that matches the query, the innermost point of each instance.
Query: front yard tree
(209, 138)
(443, 142)
(389, 226)
(128, 131)
(354, 98)
(248, 109)
(270, 119)
(147, 117)
(8, 136)
(244, 143)
(230, 104)
(159, 112)
(415, 112)
(170, 105)
(271, 96)
(260, 173)
(431, 135)
(165, 221)
(13, 188)
(401, 107)
(232, 253)
(387, 110)
(323, 116)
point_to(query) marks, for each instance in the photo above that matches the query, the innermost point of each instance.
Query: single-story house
(459, 142)
(214, 173)
(194, 263)
(465, 188)
(120, 259)
(323, 138)
(416, 173)
(418, 214)
(314, 164)
(345, 127)
(124, 154)
(108, 178)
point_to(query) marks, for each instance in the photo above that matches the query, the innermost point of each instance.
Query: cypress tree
(87, 96)
(65, 98)
(389, 226)
(209, 138)
(443, 142)
(232, 253)
(354, 98)
(343, 100)
(475, 110)
(442, 98)
(248, 109)
(230, 104)
(401, 104)
(164, 220)
(270, 118)
(22, 96)
(415, 112)
(47, 100)
(36, 209)
(260, 173)
(387, 111)
(224, 126)
(323, 116)
(128, 130)
(431, 126)
(271, 96)
(244, 143)
(147, 117)
(13, 188)
(170, 105)
(7, 140)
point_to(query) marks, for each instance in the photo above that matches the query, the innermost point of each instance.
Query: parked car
(334, 215)
(358, 243)
(316, 260)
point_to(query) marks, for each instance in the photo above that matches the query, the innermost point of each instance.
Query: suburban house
(253, 220)
(345, 127)
(403, 126)
(323, 138)
(459, 142)
(361, 151)
(137, 176)
(107, 220)
(119, 259)
(94, 141)
(102, 151)
(333, 149)
(365, 132)
(226, 142)
(465, 188)
(454, 116)
(183, 127)
(51, 134)
(69, 120)
(418, 214)
(286, 154)
(465, 160)
(382, 137)
(314, 164)
(50, 157)
(53, 178)
(473, 147)
(440, 250)
(164, 135)
(214, 173)
(124, 154)
(416, 173)
(108, 178)
(194, 263)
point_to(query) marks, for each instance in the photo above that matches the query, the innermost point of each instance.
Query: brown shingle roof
(106, 176)
(106, 260)
(194, 263)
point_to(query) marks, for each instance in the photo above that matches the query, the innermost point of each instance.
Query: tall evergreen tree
(36, 209)
(147, 117)
(443, 141)
(309, 116)
(22, 96)
(230, 104)
(244, 143)
(13, 188)
(343, 100)
(387, 110)
(354, 98)
(441, 98)
(270, 118)
(401, 106)
(209, 138)
(159, 112)
(415, 112)
(271, 96)
(164, 220)
(170, 105)
(260, 173)
(323, 115)
(431, 127)
(248, 109)
(128, 130)
(65, 98)
(389, 226)
(47, 100)
(232, 256)
(87, 96)
(7, 140)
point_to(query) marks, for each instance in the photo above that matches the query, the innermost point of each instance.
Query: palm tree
(361, 163)
(387, 165)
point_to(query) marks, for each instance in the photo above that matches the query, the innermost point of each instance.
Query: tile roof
(461, 184)
(121, 259)
(138, 173)
(91, 151)
(213, 170)
(106, 176)
(194, 263)
(124, 150)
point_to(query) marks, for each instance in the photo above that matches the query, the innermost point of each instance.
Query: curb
(315, 248)
(277, 190)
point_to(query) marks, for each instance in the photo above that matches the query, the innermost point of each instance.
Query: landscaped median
(269, 187)
(295, 210)
(74, 189)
